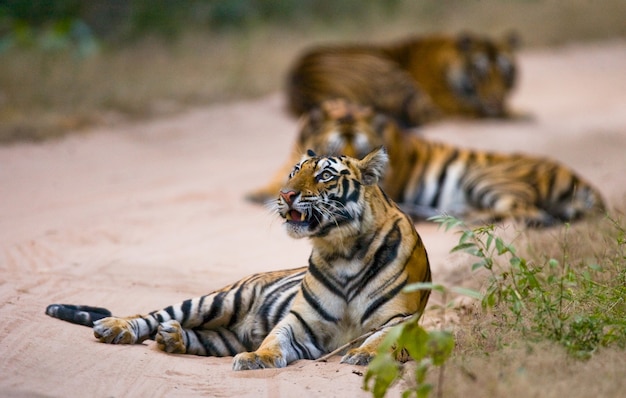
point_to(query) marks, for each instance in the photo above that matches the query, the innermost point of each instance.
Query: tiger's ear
(513, 40)
(309, 124)
(373, 166)
(307, 155)
(464, 41)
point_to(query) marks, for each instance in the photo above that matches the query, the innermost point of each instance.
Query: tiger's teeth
(302, 216)
(288, 216)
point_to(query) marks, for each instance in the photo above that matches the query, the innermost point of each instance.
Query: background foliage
(69, 64)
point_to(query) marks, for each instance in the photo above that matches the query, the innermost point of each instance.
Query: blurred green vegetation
(70, 64)
(33, 22)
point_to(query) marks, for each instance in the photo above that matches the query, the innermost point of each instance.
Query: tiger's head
(482, 73)
(339, 127)
(326, 196)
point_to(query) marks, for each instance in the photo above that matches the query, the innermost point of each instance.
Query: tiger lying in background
(365, 250)
(428, 178)
(414, 80)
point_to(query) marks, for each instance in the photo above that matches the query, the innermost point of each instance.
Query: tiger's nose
(288, 196)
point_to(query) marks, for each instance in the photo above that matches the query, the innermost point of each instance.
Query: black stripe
(236, 305)
(354, 196)
(385, 197)
(385, 254)
(216, 306)
(382, 300)
(315, 272)
(186, 310)
(199, 310)
(568, 192)
(267, 307)
(443, 173)
(303, 352)
(315, 304)
(152, 328)
(187, 333)
(279, 281)
(282, 309)
(387, 282)
(308, 331)
(171, 312)
(417, 198)
(332, 225)
(231, 350)
(209, 347)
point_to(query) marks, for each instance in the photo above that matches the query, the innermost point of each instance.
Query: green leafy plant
(410, 340)
(580, 304)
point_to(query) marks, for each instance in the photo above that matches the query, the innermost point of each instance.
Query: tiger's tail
(79, 314)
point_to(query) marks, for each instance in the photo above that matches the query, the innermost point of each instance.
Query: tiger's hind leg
(173, 338)
(529, 216)
(114, 330)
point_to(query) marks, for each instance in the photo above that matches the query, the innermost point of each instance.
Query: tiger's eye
(326, 175)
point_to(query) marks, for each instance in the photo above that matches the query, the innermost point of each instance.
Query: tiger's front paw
(358, 356)
(114, 331)
(256, 360)
(171, 338)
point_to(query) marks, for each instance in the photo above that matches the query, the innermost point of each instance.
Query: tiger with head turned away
(414, 80)
(365, 251)
(428, 178)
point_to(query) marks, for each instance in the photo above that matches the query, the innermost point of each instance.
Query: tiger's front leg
(290, 340)
(364, 354)
(269, 355)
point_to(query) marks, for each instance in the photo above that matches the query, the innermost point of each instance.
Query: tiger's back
(427, 177)
(482, 186)
(415, 80)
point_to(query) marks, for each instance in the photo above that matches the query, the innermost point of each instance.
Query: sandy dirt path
(143, 216)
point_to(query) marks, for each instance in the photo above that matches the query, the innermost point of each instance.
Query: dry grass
(45, 95)
(535, 370)
(493, 359)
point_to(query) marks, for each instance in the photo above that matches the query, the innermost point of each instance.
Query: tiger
(365, 251)
(415, 80)
(427, 178)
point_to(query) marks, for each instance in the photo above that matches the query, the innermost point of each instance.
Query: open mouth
(295, 216)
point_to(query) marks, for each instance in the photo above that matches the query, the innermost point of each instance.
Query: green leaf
(391, 337)
(489, 241)
(414, 340)
(423, 390)
(500, 246)
(448, 222)
(466, 236)
(440, 346)
(595, 267)
(383, 370)
(414, 287)
(467, 292)
(462, 246)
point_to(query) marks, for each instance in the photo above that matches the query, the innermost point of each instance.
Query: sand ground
(141, 216)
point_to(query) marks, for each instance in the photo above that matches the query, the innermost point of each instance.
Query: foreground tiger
(365, 250)
(428, 178)
(414, 80)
